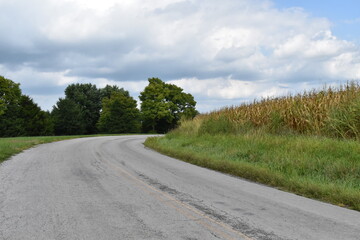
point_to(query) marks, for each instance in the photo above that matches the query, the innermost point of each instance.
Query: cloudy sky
(224, 52)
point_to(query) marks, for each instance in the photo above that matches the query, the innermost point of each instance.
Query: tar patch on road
(218, 215)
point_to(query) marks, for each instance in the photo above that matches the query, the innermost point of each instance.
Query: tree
(11, 124)
(108, 90)
(10, 93)
(25, 119)
(20, 116)
(163, 105)
(68, 118)
(119, 114)
(35, 121)
(88, 99)
(83, 101)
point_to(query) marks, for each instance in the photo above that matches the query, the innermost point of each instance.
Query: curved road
(115, 188)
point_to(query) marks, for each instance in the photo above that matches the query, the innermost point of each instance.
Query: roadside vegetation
(86, 109)
(308, 144)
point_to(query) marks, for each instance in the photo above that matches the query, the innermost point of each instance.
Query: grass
(308, 144)
(12, 146)
(320, 168)
(331, 112)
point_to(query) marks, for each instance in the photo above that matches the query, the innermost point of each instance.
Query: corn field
(333, 112)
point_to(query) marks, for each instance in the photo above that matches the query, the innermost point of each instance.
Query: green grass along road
(316, 167)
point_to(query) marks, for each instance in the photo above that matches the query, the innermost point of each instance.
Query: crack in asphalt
(235, 223)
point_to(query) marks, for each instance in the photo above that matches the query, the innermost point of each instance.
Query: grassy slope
(320, 168)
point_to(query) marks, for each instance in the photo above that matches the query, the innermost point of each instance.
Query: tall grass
(332, 112)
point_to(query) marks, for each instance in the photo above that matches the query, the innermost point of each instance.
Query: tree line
(86, 109)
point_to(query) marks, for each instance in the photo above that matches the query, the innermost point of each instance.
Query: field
(307, 144)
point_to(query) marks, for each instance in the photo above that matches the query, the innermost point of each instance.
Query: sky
(223, 52)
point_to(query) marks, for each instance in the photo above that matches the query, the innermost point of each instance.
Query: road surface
(115, 188)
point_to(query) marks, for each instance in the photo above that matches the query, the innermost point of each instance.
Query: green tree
(35, 122)
(10, 93)
(11, 124)
(88, 98)
(108, 90)
(68, 118)
(20, 116)
(163, 105)
(119, 114)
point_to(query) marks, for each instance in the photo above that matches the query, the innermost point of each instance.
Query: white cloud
(33, 78)
(218, 88)
(230, 89)
(224, 50)
(321, 45)
(344, 66)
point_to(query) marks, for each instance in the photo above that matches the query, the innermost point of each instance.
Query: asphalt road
(115, 188)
